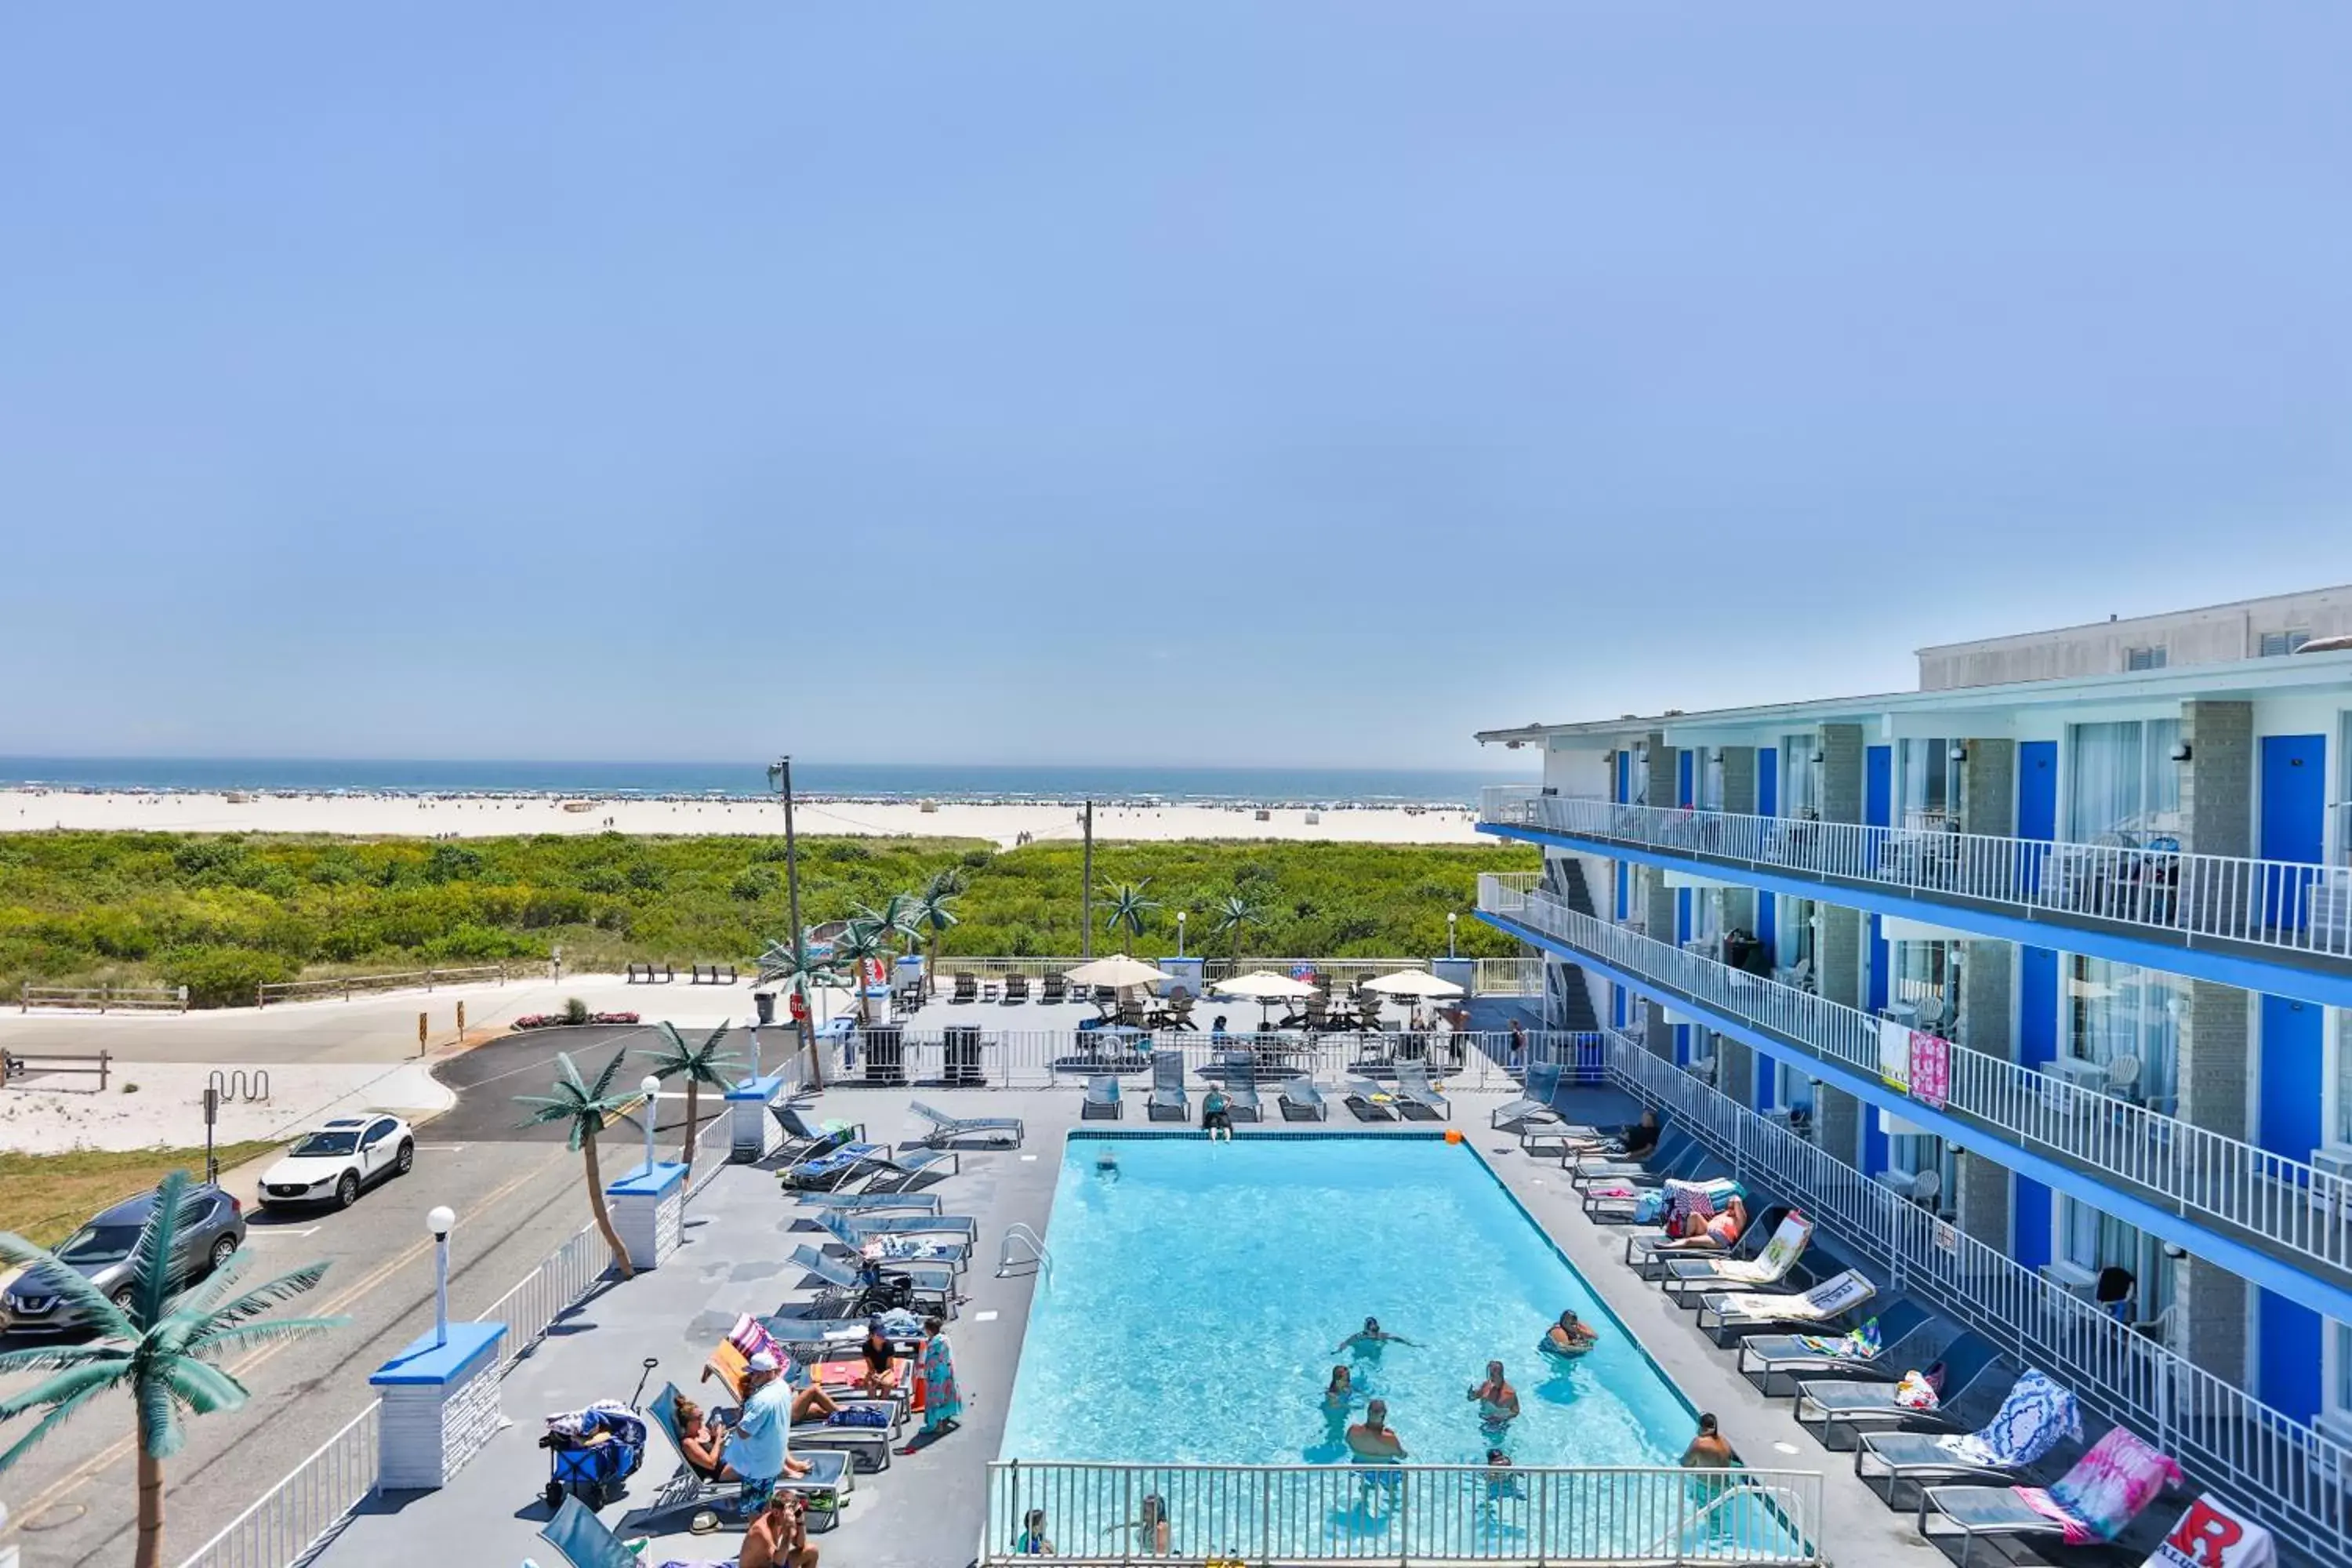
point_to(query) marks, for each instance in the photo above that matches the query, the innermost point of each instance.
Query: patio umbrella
(1264, 984)
(1118, 971)
(1413, 982)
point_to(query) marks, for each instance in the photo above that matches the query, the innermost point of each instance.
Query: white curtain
(2124, 780)
(2121, 1010)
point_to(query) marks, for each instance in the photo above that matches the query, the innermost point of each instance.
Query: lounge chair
(1674, 1144)
(1618, 1201)
(1736, 1313)
(1302, 1102)
(835, 1168)
(1167, 1101)
(803, 1140)
(967, 988)
(928, 1203)
(1007, 1130)
(1412, 1088)
(1648, 1248)
(1053, 988)
(964, 1227)
(851, 1291)
(1905, 1334)
(1016, 988)
(898, 1249)
(1685, 1277)
(897, 1173)
(827, 1482)
(868, 1444)
(1241, 1085)
(2121, 1466)
(2036, 1420)
(1368, 1101)
(1534, 1105)
(1975, 1380)
(1102, 1101)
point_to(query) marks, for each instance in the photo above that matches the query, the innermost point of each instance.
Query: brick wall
(2217, 782)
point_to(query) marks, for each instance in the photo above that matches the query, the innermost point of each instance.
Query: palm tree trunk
(603, 1215)
(149, 1552)
(693, 1123)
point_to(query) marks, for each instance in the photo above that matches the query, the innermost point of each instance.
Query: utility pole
(1087, 890)
(779, 772)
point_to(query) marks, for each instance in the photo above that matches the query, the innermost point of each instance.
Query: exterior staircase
(1568, 995)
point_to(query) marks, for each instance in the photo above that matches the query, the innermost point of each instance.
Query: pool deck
(927, 1511)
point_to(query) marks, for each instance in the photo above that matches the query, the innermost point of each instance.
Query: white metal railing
(289, 1523)
(2289, 1203)
(348, 985)
(1214, 966)
(1402, 1514)
(2297, 1479)
(561, 1280)
(1507, 977)
(2286, 905)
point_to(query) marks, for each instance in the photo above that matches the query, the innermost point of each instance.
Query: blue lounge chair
(850, 1289)
(826, 1483)
(898, 1248)
(1302, 1102)
(1102, 1101)
(582, 1540)
(928, 1203)
(897, 1173)
(803, 1140)
(835, 1168)
(1368, 1101)
(1977, 1378)
(961, 1226)
(1241, 1085)
(1007, 1130)
(1169, 1102)
(1908, 1336)
(1415, 1094)
(1534, 1105)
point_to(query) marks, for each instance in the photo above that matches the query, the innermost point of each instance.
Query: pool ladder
(1023, 1250)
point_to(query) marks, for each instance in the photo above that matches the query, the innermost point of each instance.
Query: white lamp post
(440, 1222)
(1179, 933)
(652, 1087)
(1450, 918)
(755, 1054)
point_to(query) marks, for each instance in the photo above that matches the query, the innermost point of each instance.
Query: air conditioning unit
(2072, 1279)
(2336, 1162)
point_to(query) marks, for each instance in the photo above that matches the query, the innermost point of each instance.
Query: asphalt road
(517, 1196)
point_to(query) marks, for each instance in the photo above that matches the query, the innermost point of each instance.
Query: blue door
(2029, 1221)
(1624, 886)
(1624, 777)
(1877, 795)
(2294, 821)
(2037, 1005)
(2289, 1361)
(1683, 796)
(1682, 916)
(1874, 1141)
(1768, 781)
(1879, 960)
(1768, 924)
(2037, 808)
(1768, 1072)
(2291, 1080)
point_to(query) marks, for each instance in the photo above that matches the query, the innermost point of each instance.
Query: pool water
(1195, 1300)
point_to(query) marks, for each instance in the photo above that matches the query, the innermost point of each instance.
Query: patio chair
(1167, 1101)
(1241, 1085)
(2036, 1420)
(2122, 1467)
(1102, 1101)
(967, 988)
(827, 1482)
(1906, 1335)
(1975, 1379)
(850, 1291)
(803, 1140)
(1302, 1102)
(897, 1173)
(1053, 989)
(896, 1249)
(1368, 1101)
(945, 1129)
(1412, 1088)
(1534, 1105)
(1685, 1276)
(1180, 1012)
(835, 1168)
(1741, 1312)
(1016, 988)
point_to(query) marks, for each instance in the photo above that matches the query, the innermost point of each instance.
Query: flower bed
(554, 1020)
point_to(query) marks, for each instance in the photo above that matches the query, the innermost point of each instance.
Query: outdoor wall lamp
(1957, 754)
(651, 1086)
(2179, 750)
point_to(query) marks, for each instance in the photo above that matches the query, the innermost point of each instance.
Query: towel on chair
(2036, 1417)
(2093, 1501)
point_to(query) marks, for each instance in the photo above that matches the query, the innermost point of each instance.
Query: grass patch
(44, 1197)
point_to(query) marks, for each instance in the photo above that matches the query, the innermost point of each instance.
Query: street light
(439, 1222)
(1450, 918)
(652, 1087)
(1179, 933)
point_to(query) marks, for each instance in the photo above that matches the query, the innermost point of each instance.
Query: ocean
(839, 781)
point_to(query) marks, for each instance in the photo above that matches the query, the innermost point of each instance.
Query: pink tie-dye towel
(2105, 1489)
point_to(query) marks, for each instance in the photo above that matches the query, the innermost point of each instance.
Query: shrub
(452, 863)
(224, 976)
(575, 1011)
(755, 882)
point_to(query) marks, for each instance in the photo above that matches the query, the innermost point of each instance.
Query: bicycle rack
(240, 1084)
(1032, 1259)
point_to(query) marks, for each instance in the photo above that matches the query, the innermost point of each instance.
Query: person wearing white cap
(758, 1447)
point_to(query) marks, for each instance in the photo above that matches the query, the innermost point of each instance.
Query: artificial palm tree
(165, 1351)
(897, 918)
(803, 969)
(1127, 908)
(698, 1065)
(586, 1106)
(1235, 915)
(863, 940)
(934, 913)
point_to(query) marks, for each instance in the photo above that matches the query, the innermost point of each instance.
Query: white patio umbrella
(1264, 984)
(1413, 982)
(1118, 971)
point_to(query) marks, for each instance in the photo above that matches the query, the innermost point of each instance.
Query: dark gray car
(211, 1229)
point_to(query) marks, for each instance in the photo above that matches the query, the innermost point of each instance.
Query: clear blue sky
(1216, 381)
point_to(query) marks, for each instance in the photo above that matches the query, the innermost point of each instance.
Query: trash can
(963, 1067)
(763, 1003)
(885, 1056)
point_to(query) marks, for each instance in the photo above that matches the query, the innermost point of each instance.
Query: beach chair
(1415, 1094)
(894, 1173)
(1673, 1145)
(1167, 1101)
(866, 1444)
(803, 1140)
(835, 1168)
(851, 1289)
(1302, 1102)
(2093, 1501)
(2037, 1419)
(967, 988)
(1180, 1012)
(925, 1203)
(1367, 1101)
(1241, 1085)
(964, 1227)
(1619, 1201)
(1902, 1335)
(1732, 1314)
(1007, 1130)
(1053, 989)
(827, 1482)
(1975, 1380)
(1016, 989)
(1535, 1104)
(1649, 1248)
(1685, 1277)
(898, 1249)
(1102, 1102)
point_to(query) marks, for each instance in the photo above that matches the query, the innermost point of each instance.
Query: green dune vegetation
(222, 914)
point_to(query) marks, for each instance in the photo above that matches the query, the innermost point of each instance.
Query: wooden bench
(712, 975)
(651, 974)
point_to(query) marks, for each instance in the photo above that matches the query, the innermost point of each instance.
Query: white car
(342, 1156)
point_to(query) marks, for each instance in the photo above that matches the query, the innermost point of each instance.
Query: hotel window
(1924, 983)
(1801, 777)
(2278, 645)
(1931, 784)
(1710, 778)
(2144, 659)
(2339, 1114)
(2093, 1241)
(2336, 1355)
(2124, 782)
(2119, 1010)
(1795, 932)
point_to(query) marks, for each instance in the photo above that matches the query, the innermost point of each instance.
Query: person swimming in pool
(1373, 1439)
(1570, 1336)
(1340, 1392)
(1369, 1339)
(1107, 1165)
(1498, 1402)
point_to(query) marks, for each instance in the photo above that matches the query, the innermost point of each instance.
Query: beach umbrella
(1118, 971)
(1264, 984)
(1413, 982)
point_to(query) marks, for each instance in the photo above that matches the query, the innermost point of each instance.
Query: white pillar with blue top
(440, 1393)
(753, 1132)
(648, 1206)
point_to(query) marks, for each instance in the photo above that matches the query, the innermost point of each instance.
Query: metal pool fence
(1265, 1515)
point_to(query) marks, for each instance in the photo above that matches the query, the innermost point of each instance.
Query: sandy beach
(384, 816)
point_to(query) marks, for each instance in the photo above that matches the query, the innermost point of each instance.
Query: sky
(1221, 382)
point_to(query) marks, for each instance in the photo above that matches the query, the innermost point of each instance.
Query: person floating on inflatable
(1569, 1338)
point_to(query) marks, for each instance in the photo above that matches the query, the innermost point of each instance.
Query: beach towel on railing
(1931, 1069)
(1780, 1254)
(2210, 1536)
(2105, 1489)
(2036, 1417)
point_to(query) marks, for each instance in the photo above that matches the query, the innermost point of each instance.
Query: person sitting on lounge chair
(876, 1349)
(1641, 1137)
(698, 1443)
(1571, 1336)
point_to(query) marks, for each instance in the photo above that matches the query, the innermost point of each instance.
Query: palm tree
(862, 942)
(165, 1351)
(1235, 916)
(897, 917)
(1127, 908)
(802, 970)
(587, 1106)
(698, 1065)
(933, 914)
